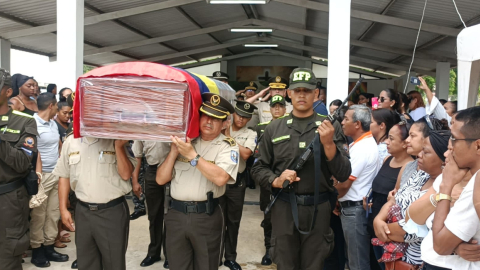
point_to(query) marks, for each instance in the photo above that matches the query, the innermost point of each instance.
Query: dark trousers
(234, 199)
(336, 260)
(292, 250)
(427, 266)
(14, 234)
(155, 197)
(102, 237)
(139, 203)
(266, 223)
(194, 240)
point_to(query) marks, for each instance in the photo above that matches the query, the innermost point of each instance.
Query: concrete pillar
(338, 49)
(69, 42)
(5, 54)
(442, 80)
(309, 64)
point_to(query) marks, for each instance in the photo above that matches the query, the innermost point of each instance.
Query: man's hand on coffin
(185, 148)
(173, 147)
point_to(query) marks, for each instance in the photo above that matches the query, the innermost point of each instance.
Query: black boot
(233, 265)
(165, 264)
(54, 256)
(74, 265)
(38, 257)
(266, 260)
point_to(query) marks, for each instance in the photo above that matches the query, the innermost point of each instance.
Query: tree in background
(452, 90)
(87, 68)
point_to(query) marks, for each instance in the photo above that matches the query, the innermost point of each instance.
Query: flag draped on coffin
(197, 85)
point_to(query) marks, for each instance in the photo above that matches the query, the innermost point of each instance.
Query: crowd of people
(359, 186)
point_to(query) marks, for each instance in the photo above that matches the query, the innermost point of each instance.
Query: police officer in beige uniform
(276, 86)
(235, 193)
(155, 154)
(18, 146)
(199, 170)
(98, 170)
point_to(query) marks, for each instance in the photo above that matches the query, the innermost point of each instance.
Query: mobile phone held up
(374, 101)
(415, 81)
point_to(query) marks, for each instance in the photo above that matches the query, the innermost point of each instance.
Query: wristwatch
(441, 196)
(194, 161)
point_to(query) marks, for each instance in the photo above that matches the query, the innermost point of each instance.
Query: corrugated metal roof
(170, 21)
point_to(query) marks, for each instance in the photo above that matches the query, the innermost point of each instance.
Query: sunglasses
(381, 99)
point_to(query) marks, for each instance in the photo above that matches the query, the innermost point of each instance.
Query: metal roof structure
(383, 32)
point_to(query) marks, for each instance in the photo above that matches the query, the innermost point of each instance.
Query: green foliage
(87, 68)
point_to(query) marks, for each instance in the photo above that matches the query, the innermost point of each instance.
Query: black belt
(6, 188)
(191, 207)
(101, 206)
(351, 203)
(305, 200)
(153, 166)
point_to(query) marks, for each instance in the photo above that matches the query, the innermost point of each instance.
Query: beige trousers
(44, 219)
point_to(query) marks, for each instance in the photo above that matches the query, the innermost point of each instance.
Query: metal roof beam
(48, 28)
(363, 44)
(131, 28)
(192, 20)
(199, 50)
(368, 16)
(213, 61)
(163, 38)
(370, 27)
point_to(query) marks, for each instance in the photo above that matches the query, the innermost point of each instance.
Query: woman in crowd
(365, 98)
(404, 106)
(416, 105)
(64, 93)
(430, 163)
(382, 121)
(63, 119)
(23, 94)
(389, 99)
(386, 178)
(445, 111)
(334, 105)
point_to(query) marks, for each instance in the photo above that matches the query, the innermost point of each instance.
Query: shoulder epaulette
(230, 141)
(264, 123)
(321, 115)
(283, 116)
(22, 114)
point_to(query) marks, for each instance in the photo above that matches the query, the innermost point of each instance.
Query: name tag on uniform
(318, 123)
(73, 153)
(302, 144)
(5, 118)
(289, 121)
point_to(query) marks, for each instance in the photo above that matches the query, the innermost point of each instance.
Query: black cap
(278, 83)
(277, 99)
(218, 75)
(251, 86)
(303, 77)
(5, 78)
(216, 106)
(244, 108)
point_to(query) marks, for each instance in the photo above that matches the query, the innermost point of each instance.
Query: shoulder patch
(321, 115)
(285, 115)
(264, 123)
(230, 141)
(22, 114)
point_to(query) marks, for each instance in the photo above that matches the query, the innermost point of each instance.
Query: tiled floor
(250, 249)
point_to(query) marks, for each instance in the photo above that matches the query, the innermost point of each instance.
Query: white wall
(35, 65)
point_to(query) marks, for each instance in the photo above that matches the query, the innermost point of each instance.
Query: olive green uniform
(194, 238)
(235, 194)
(155, 154)
(101, 215)
(18, 143)
(283, 142)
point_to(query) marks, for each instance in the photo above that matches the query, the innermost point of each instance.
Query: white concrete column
(442, 80)
(5, 47)
(69, 42)
(338, 49)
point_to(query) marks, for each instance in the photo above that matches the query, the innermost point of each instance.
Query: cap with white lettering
(302, 77)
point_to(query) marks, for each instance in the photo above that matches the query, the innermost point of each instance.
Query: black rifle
(309, 150)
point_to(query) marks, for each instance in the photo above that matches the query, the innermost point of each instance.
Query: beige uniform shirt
(264, 114)
(246, 138)
(91, 166)
(155, 152)
(189, 184)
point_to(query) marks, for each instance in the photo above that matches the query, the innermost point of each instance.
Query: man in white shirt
(365, 165)
(451, 227)
(44, 218)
